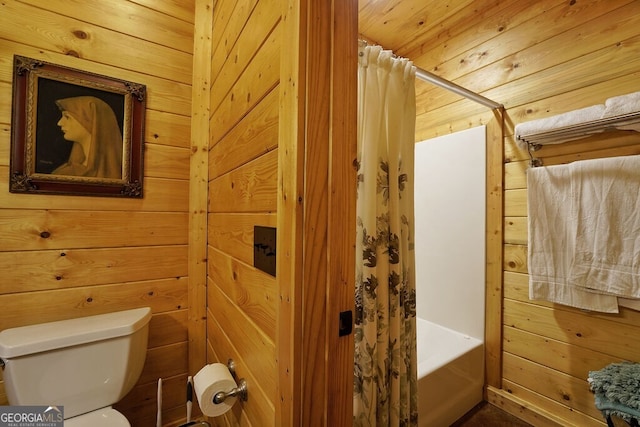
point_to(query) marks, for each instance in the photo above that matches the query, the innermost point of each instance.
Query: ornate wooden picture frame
(74, 132)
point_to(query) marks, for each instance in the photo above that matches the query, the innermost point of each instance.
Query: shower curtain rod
(450, 86)
(446, 84)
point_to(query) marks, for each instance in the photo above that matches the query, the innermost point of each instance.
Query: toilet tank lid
(32, 339)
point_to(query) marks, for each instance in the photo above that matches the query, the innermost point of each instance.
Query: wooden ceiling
(421, 30)
(404, 26)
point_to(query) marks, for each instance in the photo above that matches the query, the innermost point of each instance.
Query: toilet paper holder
(239, 391)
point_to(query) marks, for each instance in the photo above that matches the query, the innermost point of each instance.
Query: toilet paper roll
(210, 380)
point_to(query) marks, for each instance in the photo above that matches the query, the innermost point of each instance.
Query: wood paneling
(233, 233)
(163, 296)
(242, 53)
(290, 216)
(494, 235)
(326, 242)
(229, 20)
(281, 154)
(252, 290)
(180, 9)
(90, 41)
(127, 18)
(259, 412)
(164, 94)
(28, 230)
(243, 94)
(59, 269)
(249, 188)
(160, 195)
(341, 213)
(198, 183)
(242, 191)
(65, 257)
(254, 136)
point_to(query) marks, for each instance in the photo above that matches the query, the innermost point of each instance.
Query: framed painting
(75, 132)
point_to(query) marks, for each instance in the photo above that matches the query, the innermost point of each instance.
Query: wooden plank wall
(538, 59)
(106, 254)
(282, 146)
(316, 212)
(243, 167)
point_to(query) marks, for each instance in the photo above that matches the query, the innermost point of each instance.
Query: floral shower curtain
(385, 383)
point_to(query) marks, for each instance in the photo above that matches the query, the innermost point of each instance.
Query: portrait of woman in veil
(75, 132)
(91, 125)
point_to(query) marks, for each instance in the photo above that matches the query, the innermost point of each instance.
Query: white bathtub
(450, 374)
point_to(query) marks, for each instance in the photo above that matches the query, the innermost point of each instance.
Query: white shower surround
(450, 206)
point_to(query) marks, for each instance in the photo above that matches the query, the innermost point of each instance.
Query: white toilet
(85, 364)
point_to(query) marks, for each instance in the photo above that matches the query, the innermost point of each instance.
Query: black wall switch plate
(264, 249)
(346, 323)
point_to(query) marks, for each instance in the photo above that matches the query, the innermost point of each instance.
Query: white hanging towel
(552, 241)
(606, 203)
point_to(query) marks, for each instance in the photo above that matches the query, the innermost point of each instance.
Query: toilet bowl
(84, 365)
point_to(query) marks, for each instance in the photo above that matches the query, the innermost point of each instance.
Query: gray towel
(619, 383)
(609, 409)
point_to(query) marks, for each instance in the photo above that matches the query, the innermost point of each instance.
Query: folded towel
(552, 241)
(616, 106)
(605, 198)
(583, 115)
(622, 105)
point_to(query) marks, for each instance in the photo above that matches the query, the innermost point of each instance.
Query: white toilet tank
(82, 364)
